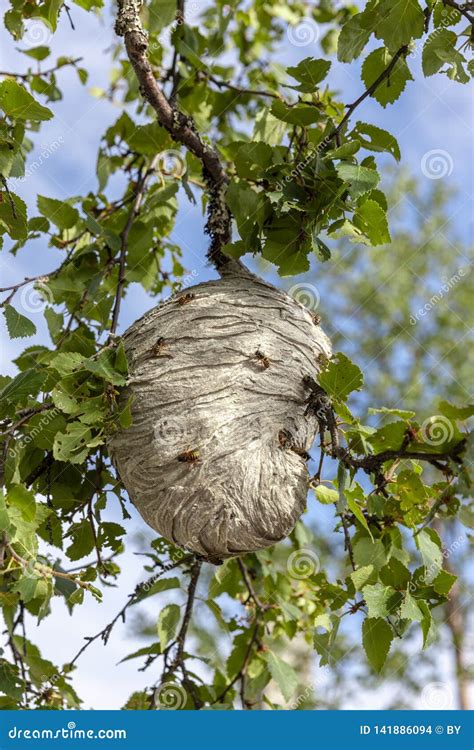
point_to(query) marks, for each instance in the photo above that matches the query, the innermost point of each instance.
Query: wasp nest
(215, 459)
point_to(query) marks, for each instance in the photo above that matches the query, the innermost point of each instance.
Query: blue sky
(432, 114)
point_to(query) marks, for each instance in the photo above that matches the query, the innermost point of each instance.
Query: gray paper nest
(212, 460)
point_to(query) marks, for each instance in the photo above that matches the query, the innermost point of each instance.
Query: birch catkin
(212, 460)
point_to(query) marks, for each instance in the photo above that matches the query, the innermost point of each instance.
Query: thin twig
(104, 634)
(240, 90)
(243, 668)
(134, 211)
(251, 590)
(369, 91)
(462, 8)
(36, 74)
(179, 659)
(47, 571)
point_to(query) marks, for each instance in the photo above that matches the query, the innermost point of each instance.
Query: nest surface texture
(214, 459)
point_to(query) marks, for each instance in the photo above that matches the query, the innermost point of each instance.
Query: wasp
(300, 452)
(316, 319)
(285, 438)
(262, 360)
(188, 457)
(184, 299)
(157, 349)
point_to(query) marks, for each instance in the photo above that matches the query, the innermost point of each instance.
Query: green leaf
(399, 22)
(13, 221)
(367, 552)
(71, 445)
(388, 437)
(59, 212)
(103, 365)
(67, 362)
(152, 650)
(326, 495)
(18, 103)
(444, 582)
(309, 72)
(18, 326)
(429, 545)
(82, 540)
(161, 13)
(26, 383)
(390, 89)
(284, 675)
(378, 598)
(376, 139)
(360, 179)
(341, 377)
(362, 576)
(37, 53)
(440, 49)
(402, 413)
(167, 625)
(428, 627)
(371, 219)
(23, 499)
(377, 637)
(352, 505)
(410, 609)
(299, 114)
(268, 128)
(395, 574)
(456, 412)
(10, 682)
(325, 643)
(353, 37)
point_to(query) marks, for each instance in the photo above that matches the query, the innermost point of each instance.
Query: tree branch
(182, 129)
(47, 571)
(179, 659)
(369, 91)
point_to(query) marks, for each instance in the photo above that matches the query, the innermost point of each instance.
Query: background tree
(207, 111)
